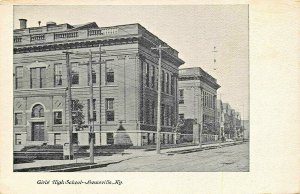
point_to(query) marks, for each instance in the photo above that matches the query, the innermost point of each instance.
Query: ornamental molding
(38, 64)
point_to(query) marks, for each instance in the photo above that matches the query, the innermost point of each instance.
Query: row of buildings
(201, 111)
(125, 84)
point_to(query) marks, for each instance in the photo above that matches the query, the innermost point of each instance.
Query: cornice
(72, 45)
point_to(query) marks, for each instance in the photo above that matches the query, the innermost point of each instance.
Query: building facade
(124, 77)
(197, 100)
(220, 118)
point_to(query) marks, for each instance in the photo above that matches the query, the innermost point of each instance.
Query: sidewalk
(127, 154)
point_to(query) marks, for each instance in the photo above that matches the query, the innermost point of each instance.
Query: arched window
(37, 111)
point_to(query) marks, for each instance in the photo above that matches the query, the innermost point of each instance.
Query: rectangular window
(94, 108)
(147, 112)
(19, 77)
(75, 73)
(153, 113)
(181, 116)
(109, 106)
(58, 74)
(109, 138)
(163, 81)
(153, 77)
(167, 83)
(38, 77)
(94, 76)
(162, 116)
(18, 140)
(167, 116)
(172, 116)
(147, 74)
(110, 78)
(172, 85)
(57, 138)
(18, 118)
(57, 117)
(181, 96)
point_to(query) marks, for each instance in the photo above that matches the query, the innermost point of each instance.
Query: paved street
(227, 159)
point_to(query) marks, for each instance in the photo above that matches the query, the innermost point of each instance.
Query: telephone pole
(69, 78)
(159, 48)
(214, 52)
(91, 119)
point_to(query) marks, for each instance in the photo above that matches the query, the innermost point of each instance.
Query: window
(38, 77)
(94, 110)
(94, 76)
(57, 138)
(57, 117)
(110, 115)
(110, 77)
(181, 96)
(167, 116)
(153, 77)
(153, 112)
(172, 85)
(75, 73)
(18, 140)
(19, 77)
(109, 138)
(162, 116)
(148, 112)
(18, 118)
(163, 81)
(37, 111)
(57, 74)
(181, 116)
(167, 83)
(172, 116)
(147, 74)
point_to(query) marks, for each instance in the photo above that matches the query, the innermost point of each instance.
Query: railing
(95, 32)
(37, 37)
(65, 35)
(17, 39)
(108, 31)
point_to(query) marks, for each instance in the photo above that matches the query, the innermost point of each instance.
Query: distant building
(220, 118)
(246, 126)
(238, 126)
(197, 100)
(125, 86)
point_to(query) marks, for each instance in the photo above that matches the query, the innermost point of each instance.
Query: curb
(201, 149)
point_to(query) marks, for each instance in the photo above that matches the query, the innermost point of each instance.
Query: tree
(77, 115)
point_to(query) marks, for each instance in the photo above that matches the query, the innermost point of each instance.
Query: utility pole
(214, 52)
(69, 78)
(201, 114)
(91, 119)
(159, 48)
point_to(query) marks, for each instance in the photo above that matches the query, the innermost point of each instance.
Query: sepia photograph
(130, 88)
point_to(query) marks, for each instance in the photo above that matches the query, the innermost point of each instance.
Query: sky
(193, 30)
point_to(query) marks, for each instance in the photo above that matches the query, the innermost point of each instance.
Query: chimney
(23, 23)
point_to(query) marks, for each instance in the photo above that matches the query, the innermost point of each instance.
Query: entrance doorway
(38, 131)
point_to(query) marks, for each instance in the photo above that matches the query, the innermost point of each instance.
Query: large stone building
(197, 100)
(124, 85)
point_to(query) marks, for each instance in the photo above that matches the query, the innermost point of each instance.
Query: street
(225, 159)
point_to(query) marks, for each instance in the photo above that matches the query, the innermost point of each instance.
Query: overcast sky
(193, 30)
